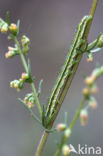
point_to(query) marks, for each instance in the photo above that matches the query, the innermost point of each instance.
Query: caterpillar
(66, 70)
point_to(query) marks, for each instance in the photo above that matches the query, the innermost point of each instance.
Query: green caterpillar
(66, 70)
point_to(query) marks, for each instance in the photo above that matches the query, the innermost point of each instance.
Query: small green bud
(94, 89)
(13, 28)
(67, 133)
(12, 52)
(85, 92)
(24, 76)
(93, 103)
(25, 40)
(3, 26)
(90, 57)
(16, 84)
(83, 117)
(61, 127)
(97, 72)
(29, 100)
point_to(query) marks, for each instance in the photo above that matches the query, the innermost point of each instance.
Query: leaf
(8, 18)
(18, 26)
(39, 88)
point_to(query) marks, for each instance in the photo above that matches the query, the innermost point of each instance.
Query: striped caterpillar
(66, 70)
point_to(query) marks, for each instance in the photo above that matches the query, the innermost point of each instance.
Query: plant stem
(66, 85)
(41, 143)
(64, 139)
(26, 69)
(77, 114)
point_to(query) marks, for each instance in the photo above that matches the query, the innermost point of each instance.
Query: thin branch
(26, 69)
(30, 111)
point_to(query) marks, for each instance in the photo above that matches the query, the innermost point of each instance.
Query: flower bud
(11, 84)
(9, 54)
(11, 48)
(65, 150)
(100, 42)
(67, 133)
(29, 100)
(85, 91)
(13, 28)
(30, 105)
(24, 76)
(90, 57)
(89, 60)
(16, 84)
(97, 72)
(25, 40)
(94, 89)
(93, 103)
(4, 28)
(83, 117)
(89, 80)
(61, 127)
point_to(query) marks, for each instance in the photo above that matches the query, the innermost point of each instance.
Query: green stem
(77, 114)
(64, 139)
(66, 85)
(21, 55)
(26, 69)
(41, 143)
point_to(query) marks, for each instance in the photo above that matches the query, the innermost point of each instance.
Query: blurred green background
(50, 24)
